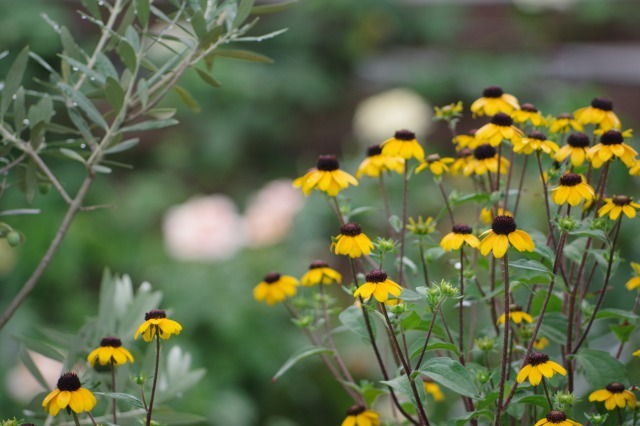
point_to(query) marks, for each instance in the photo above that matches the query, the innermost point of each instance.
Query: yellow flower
(421, 227)
(634, 282)
(275, 288)
(614, 395)
(358, 415)
(563, 122)
(618, 204)
(536, 141)
(404, 145)
(539, 365)
(436, 165)
(110, 352)
(600, 112)
(556, 418)
(611, 145)
(463, 157)
(501, 127)
(572, 189)
(69, 393)
(502, 233)
(432, 388)
(156, 321)
(530, 113)
(576, 148)
(494, 101)
(459, 234)
(351, 241)
(320, 273)
(379, 286)
(485, 159)
(541, 343)
(468, 141)
(448, 112)
(636, 353)
(517, 315)
(376, 163)
(326, 177)
(486, 215)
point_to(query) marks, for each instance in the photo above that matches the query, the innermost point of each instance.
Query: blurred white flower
(205, 228)
(379, 116)
(270, 213)
(22, 386)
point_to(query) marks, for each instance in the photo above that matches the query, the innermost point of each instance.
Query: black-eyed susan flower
(576, 148)
(600, 112)
(529, 113)
(462, 159)
(432, 388)
(110, 351)
(494, 101)
(538, 365)
(541, 343)
(565, 122)
(502, 233)
(359, 415)
(351, 241)
(634, 170)
(435, 164)
(376, 163)
(535, 141)
(468, 140)
(556, 418)
(636, 353)
(404, 145)
(516, 315)
(320, 273)
(326, 177)
(69, 394)
(485, 159)
(572, 189)
(500, 127)
(275, 288)
(486, 214)
(618, 204)
(614, 395)
(156, 321)
(459, 235)
(379, 285)
(611, 145)
(634, 282)
(420, 226)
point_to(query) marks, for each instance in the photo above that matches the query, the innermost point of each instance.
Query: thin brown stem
(446, 200)
(404, 225)
(155, 380)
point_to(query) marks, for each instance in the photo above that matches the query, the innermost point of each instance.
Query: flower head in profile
(359, 415)
(468, 140)
(538, 365)
(572, 189)
(500, 127)
(69, 394)
(636, 353)
(502, 233)
(576, 148)
(600, 112)
(462, 159)
(351, 241)
(376, 163)
(556, 418)
(614, 395)
(404, 145)
(378, 285)
(420, 226)
(535, 141)
(618, 204)
(156, 321)
(449, 112)
(326, 177)
(565, 122)
(110, 352)
(634, 282)
(275, 288)
(541, 343)
(432, 389)
(494, 101)
(459, 235)
(486, 214)
(529, 113)
(516, 315)
(435, 164)
(485, 159)
(611, 146)
(320, 273)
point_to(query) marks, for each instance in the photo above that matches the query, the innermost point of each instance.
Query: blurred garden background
(208, 209)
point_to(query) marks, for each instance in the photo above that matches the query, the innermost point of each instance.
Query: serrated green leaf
(273, 7)
(142, 8)
(600, 368)
(411, 321)
(114, 94)
(127, 55)
(616, 313)
(450, 374)
(83, 103)
(149, 125)
(434, 345)
(124, 397)
(244, 55)
(354, 321)
(402, 385)
(208, 78)
(13, 80)
(187, 99)
(73, 155)
(299, 356)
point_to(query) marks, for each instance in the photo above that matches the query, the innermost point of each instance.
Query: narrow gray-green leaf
(450, 374)
(208, 78)
(302, 354)
(19, 111)
(41, 111)
(244, 55)
(244, 9)
(162, 113)
(273, 7)
(143, 91)
(123, 146)
(33, 369)
(187, 98)
(83, 103)
(127, 55)
(81, 124)
(13, 80)
(142, 10)
(98, 168)
(149, 125)
(69, 44)
(80, 66)
(114, 93)
(73, 155)
(38, 346)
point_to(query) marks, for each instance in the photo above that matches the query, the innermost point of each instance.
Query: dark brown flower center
(515, 308)
(502, 119)
(615, 387)
(492, 92)
(374, 150)
(484, 151)
(538, 358)
(405, 135)
(327, 163)
(69, 382)
(621, 200)
(155, 314)
(350, 229)
(528, 107)
(464, 152)
(602, 103)
(556, 416)
(565, 116)
(461, 229)
(611, 137)
(538, 135)
(570, 179)
(114, 342)
(376, 276)
(318, 264)
(354, 410)
(503, 225)
(271, 277)
(578, 140)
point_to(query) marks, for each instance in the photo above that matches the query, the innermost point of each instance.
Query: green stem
(155, 380)
(75, 418)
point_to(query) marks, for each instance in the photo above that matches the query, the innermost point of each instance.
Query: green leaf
(244, 9)
(456, 199)
(450, 374)
(273, 7)
(162, 113)
(142, 8)
(81, 124)
(411, 321)
(402, 385)
(302, 354)
(464, 420)
(18, 111)
(114, 94)
(530, 265)
(199, 25)
(616, 313)
(101, 169)
(123, 146)
(623, 331)
(33, 369)
(69, 45)
(84, 103)
(434, 345)
(13, 80)
(132, 36)
(208, 78)
(600, 368)
(597, 234)
(41, 112)
(125, 397)
(73, 155)
(187, 98)
(396, 223)
(127, 55)
(143, 92)
(554, 327)
(38, 346)
(354, 321)
(149, 125)
(92, 7)
(527, 398)
(78, 65)
(211, 37)
(244, 55)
